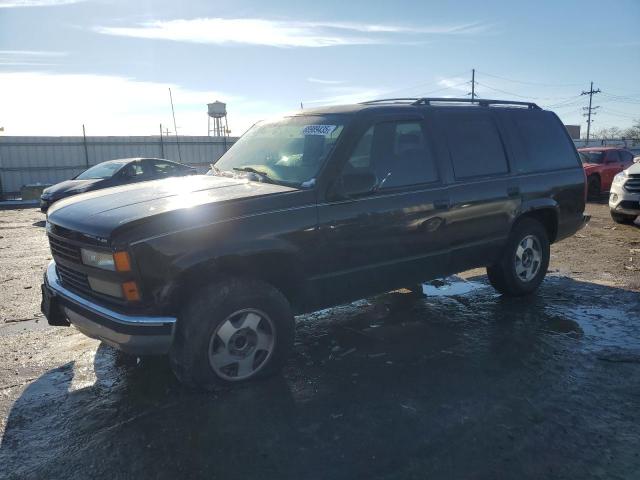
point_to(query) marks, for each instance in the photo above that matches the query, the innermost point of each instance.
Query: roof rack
(482, 102)
(408, 100)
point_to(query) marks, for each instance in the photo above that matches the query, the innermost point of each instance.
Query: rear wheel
(594, 187)
(230, 332)
(524, 261)
(622, 218)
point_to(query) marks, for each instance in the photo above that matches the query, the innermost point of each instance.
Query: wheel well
(547, 217)
(277, 269)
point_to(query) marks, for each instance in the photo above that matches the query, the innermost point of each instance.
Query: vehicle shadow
(462, 383)
(40, 223)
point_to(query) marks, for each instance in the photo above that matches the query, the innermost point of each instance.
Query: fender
(270, 257)
(546, 210)
(537, 204)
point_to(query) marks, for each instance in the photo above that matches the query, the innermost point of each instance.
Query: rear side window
(546, 144)
(626, 157)
(474, 144)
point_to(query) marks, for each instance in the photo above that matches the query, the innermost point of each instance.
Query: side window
(626, 157)
(475, 145)
(546, 144)
(134, 170)
(612, 156)
(163, 169)
(397, 153)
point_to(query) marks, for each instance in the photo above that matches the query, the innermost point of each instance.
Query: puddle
(451, 286)
(605, 326)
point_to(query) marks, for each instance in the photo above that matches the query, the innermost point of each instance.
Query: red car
(601, 164)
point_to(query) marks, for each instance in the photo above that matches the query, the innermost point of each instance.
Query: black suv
(312, 210)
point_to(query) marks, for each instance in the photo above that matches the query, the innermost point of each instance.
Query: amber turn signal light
(131, 292)
(122, 261)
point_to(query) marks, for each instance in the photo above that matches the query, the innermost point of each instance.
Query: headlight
(103, 260)
(620, 178)
(118, 261)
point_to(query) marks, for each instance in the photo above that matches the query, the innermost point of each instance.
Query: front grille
(629, 205)
(64, 249)
(73, 280)
(633, 184)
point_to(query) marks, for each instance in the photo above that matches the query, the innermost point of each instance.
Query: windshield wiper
(263, 175)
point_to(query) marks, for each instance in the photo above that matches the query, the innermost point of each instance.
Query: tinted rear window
(546, 144)
(474, 143)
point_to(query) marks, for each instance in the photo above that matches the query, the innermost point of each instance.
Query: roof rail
(481, 102)
(392, 100)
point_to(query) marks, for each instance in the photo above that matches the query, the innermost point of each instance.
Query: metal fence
(48, 160)
(617, 142)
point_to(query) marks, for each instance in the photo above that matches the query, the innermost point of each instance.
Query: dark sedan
(112, 173)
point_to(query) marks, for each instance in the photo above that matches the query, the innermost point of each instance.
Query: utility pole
(473, 84)
(590, 110)
(175, 127)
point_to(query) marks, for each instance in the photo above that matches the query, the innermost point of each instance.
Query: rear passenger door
(483, 195)
(394, 235)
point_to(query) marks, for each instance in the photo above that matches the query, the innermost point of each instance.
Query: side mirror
(351, 185)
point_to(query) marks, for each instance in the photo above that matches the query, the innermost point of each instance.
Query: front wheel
(622, 218)
(232, 331)
(594, 187)
(524, 261)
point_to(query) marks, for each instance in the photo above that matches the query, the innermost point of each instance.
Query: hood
(633, 169)
(71, 186)
(100, 212)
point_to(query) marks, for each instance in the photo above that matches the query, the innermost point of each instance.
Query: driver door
(392, 235)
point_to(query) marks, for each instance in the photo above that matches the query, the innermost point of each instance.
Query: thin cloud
(113, 105)
(454, 83)
(36, 3)
(341, 95)
(325, 82)
(29, 58)
(32, 53)
(278, 33)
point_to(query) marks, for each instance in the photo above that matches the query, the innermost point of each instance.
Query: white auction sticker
(318, 129)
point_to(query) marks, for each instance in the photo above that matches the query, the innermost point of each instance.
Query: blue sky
(109, 63)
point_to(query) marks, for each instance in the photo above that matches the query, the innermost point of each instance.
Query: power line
(590, 110)
(529, 82)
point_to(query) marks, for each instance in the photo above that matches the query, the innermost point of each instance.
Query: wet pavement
(461, 383)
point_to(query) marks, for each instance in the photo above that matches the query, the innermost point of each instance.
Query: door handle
(513, 191)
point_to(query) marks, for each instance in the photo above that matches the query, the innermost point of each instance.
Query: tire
(230, 332)
(520, 271)
(622, 218)
(594, 187)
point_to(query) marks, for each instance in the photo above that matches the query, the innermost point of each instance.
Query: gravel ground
(459, 384)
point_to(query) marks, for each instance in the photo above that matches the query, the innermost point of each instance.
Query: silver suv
(624, 198)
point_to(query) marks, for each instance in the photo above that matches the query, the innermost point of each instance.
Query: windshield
(102, 170)
(289, 151)
(592, 157)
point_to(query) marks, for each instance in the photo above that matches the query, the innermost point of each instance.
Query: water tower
(218, 112)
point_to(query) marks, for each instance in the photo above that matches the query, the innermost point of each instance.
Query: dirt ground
(462, 383)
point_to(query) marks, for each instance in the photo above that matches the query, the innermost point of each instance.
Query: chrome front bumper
(138, 335)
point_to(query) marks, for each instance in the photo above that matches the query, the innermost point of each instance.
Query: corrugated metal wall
(48, 160)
